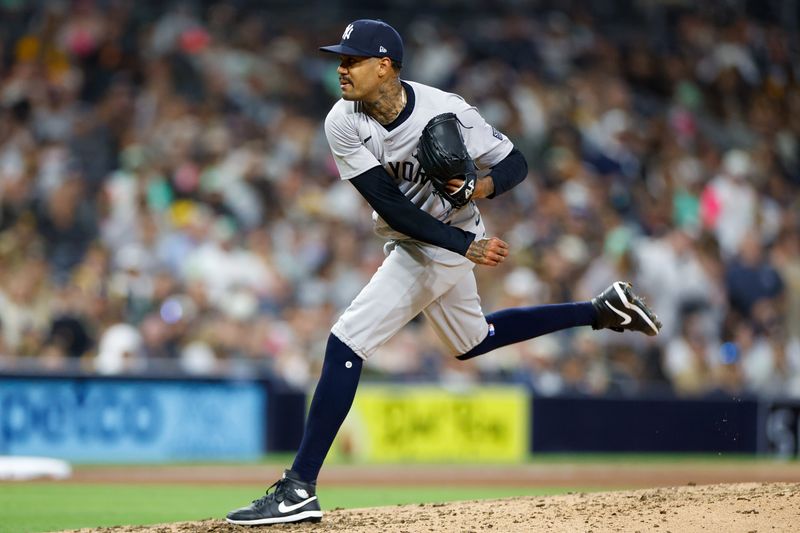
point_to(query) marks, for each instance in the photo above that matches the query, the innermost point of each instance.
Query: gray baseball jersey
(415, 277)
(359, 143)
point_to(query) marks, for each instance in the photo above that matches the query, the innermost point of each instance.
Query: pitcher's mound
(730, 508)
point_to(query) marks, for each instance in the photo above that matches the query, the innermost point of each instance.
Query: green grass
(52, 506)
(48, 506)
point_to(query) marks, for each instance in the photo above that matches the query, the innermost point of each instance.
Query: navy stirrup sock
(332, 400)
(522, 323)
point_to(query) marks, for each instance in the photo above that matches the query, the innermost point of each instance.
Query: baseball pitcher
(421, 158)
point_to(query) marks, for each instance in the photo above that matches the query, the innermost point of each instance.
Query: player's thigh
(457, 317)
(411, 277)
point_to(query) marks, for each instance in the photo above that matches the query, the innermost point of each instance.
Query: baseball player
(420, 157)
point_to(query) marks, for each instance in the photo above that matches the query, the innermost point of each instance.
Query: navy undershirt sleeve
(509, 172)
(378, 188)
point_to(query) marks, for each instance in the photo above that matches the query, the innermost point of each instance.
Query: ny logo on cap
(347, 31)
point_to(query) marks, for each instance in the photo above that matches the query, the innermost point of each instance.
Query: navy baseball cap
(369, 38)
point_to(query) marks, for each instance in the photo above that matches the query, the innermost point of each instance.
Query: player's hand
(483, 187)
(489, 252)
(454, 184)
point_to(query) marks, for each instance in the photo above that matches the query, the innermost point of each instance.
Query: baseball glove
(443, 156)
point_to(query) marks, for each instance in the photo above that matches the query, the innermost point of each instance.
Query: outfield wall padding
(87, 418)
(642, 424)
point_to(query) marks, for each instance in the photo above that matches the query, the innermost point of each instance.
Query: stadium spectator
(164, 171)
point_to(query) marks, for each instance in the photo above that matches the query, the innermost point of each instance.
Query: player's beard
(348, 90)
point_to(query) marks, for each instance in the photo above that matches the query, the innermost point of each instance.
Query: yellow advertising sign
(426, 423)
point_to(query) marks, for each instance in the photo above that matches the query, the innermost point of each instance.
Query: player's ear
(385, 66)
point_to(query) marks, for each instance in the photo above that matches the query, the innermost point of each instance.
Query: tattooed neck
(388, 105)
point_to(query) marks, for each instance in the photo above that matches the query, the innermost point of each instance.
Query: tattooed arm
(490, 252)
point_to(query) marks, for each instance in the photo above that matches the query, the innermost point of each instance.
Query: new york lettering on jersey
(406, 170)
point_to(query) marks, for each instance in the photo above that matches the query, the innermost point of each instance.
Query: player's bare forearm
(489, 252)
(483, 188)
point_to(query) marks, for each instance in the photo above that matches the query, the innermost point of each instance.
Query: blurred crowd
(169, 200)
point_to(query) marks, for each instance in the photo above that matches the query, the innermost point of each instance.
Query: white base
(22, 468)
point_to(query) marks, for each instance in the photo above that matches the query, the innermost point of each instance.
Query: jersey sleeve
(486, 145)
(351, 156)
(378, 188)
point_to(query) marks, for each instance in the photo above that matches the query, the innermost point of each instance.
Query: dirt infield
(730, 508)
(601, 475)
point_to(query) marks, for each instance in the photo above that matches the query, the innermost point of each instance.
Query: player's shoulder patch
(497, 134)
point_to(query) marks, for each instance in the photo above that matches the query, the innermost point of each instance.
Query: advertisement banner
(93, 420)
(426, 423)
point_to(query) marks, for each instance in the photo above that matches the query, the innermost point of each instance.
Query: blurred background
(169, 205)
(169, 200)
